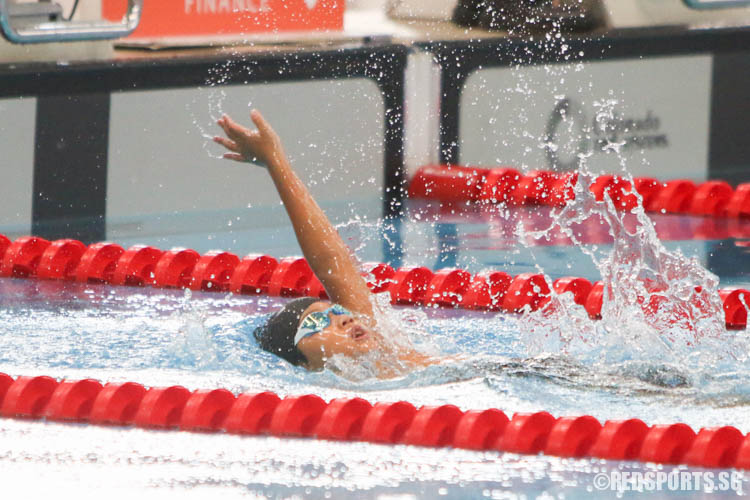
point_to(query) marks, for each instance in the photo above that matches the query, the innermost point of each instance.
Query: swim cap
(276, 335)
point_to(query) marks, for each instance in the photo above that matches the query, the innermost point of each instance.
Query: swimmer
(308, 332)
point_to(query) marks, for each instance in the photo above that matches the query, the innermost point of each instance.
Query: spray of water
(660, 309)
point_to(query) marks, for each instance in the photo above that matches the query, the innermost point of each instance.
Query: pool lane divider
(454, 183)
(139, 265)
(355, 419)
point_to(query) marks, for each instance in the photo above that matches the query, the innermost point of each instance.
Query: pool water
(468, 236)
(204, 340)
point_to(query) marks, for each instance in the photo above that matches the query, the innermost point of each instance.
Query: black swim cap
(276, 335)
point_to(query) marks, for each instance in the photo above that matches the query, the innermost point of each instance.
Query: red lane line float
(527, 433)
(666, 444)
(206, 410)
(648, 188)
(72, 400)
(486, 291)
(451, 183)
(28, 396)
(60, 260)
(22, 257)
(98, 263)
(594, 300)
(356, 419)
(579, 287)
(535, 187)
(675, 197)
(563, 189)
(480, 430)
(711, 198)
(5, 382)
(343, 419)
(527, 289)
(162, 407)
(739, 203)
(573, 436)
(290, 277)
(117, 403)
(252, 274)
(743, 456)
(213, 271)
(220, 271)
(379, 277)
(477, 295)
(498, 185)
(251, 413)
(136, 266)
(433, 426)
(601, 184)
(447, 287)
(499, 283)
(410, 285)
(297, 415)
(454, 183)
(175, 268)
(620, 439)
(387, 422)
(734, 302)
(4, 244)
(715, 447)
(619, 190)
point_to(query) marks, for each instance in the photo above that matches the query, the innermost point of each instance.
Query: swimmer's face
(345, 335)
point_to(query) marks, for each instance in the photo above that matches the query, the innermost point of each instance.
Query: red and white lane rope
(33, 257)
(507, 185)
(219, 410)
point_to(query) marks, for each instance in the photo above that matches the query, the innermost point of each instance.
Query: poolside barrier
(33, 257)
(453, 183)
(355, 419)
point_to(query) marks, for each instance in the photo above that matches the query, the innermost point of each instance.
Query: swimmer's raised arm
(329, 257)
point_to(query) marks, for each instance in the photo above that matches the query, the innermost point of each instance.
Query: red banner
(228, 17)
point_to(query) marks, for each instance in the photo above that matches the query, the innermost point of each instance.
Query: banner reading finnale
(227, 17)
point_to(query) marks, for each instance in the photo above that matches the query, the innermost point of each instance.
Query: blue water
(204, 340)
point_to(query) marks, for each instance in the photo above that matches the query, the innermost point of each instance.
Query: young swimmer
(308, 332)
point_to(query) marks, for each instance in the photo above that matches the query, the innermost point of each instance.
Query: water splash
(659, 307)
(193, 344)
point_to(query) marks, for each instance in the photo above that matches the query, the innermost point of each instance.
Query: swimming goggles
(317, 321)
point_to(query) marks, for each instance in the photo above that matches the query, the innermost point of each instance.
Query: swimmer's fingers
(263, 126)
(238, 154)
(234, 131)
(230, 145)
(254, 146)
(234, 156)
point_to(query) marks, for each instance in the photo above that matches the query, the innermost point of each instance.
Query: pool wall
(688, 83)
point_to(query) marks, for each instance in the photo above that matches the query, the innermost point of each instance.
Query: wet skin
(347, 335)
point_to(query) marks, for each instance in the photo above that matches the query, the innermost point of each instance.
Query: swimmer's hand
(262, 147)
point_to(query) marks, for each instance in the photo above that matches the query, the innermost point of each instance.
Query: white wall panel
(507, 113)
(17, 124)
(162, 161)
